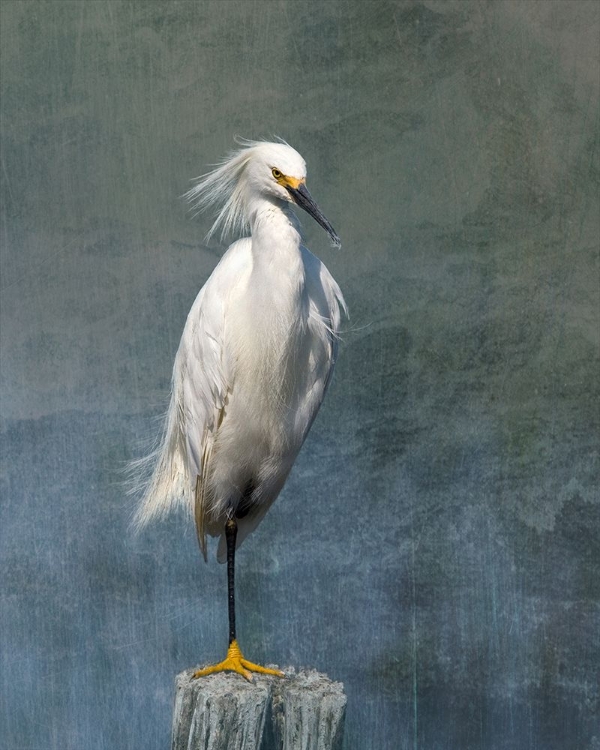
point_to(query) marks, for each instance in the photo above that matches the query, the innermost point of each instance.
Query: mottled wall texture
(436, 546)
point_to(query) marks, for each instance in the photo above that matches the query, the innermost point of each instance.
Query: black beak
(304, 199)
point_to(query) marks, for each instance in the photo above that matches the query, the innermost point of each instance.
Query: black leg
(230, 537)
(234, 661)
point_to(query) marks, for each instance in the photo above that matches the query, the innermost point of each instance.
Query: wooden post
(302, 711)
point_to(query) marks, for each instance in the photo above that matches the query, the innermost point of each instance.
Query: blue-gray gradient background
(436, 546)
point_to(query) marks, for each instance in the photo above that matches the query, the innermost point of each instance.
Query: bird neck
(273, 226)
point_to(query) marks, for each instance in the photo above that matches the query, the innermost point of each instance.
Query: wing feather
(200, 386)
(326, 304)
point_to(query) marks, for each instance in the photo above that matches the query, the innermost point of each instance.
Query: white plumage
(256, 354)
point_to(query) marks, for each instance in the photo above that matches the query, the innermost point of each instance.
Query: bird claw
(235, 662)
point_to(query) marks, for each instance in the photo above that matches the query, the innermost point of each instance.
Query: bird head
(260, 169)
(278, 170)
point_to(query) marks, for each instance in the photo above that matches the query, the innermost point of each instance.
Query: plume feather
(223, 189)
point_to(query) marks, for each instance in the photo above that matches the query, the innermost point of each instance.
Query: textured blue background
(436, 547)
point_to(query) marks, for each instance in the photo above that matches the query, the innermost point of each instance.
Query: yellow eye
(276, 174)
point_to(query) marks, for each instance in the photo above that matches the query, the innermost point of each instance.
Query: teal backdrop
(436, 546)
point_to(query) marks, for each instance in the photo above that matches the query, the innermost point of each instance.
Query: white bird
(255, 359)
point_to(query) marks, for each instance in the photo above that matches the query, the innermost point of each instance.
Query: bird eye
(276, 173)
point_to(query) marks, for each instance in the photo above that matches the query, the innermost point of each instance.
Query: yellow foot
(235, 662)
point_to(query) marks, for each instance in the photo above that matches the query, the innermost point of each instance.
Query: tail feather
(200, 509)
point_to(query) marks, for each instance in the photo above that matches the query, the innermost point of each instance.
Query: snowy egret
(255, 359)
